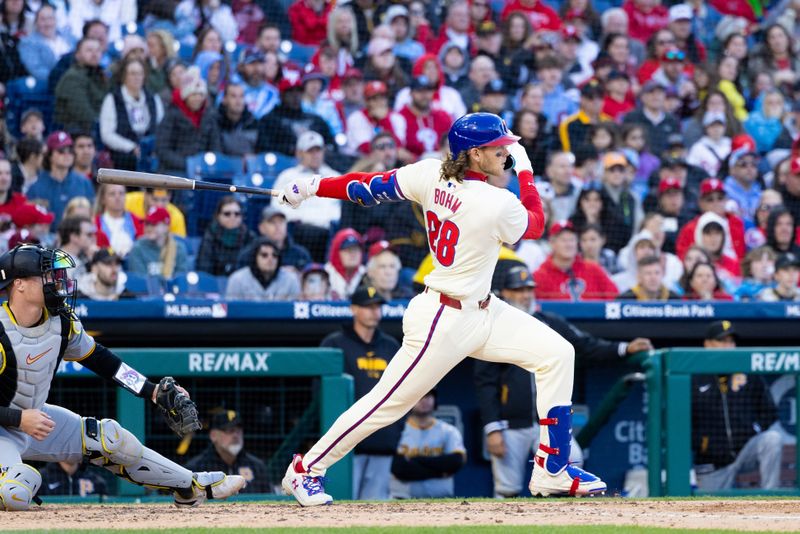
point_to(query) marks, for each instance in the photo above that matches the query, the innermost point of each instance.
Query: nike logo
(54, 485)
(705, 388)
(31, 360)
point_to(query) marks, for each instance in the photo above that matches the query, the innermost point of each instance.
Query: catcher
(38, 331)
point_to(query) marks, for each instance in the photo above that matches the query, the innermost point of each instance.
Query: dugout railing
(669, 397)
(305, 390)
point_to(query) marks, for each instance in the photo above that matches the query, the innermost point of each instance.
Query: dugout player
(467, 220)
(38, 331)
(226, 453)
(367, 351)
(507, 393)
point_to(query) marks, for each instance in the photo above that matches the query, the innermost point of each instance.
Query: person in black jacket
(367, 352)
(731, 420)
(226, 453)
(507, 393)
(72, 478)
(237, 125)
(278, 130)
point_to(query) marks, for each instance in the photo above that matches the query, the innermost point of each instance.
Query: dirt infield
(773, 515)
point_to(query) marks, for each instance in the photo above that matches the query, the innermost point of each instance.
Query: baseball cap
(271, 211)
(610, 159)
(378, 247)
(486, 28)
(379, 45)
(494, 87)
(561, 226)
(157, 215)
(739, 153)
(680, 12)
(366, 296)
(289, 83)
(253, 56)
(794, 167)
(23, 236)
(669, 184)
(313, 268)
(58, 139)
(670, 162)
(352, 73)
(675, 140)
(592, 89)
(375, 88)
(222, 419)
(570, 32)
(424, 83)
(313, 73)
(30, 214)
(711, 185)
(653, 85)
(711, 117)
(308, 140)
(617, 75)
(720, 329)
(395, 11)
(105, 254)
(518, 277)
(787, 260)
(350, 241)
(743, 140)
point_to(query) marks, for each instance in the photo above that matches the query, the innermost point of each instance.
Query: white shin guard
(18, 487)
(109, 445)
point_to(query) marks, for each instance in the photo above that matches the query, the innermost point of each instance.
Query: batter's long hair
(455, 168)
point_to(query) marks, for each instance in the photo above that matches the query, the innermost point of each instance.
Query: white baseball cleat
(209, 485)
(572, 481)
(307, 489)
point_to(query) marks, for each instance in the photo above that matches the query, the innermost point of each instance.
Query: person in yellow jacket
(140, 202)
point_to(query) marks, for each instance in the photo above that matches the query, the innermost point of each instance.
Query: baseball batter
(37, 331)
(467, 221)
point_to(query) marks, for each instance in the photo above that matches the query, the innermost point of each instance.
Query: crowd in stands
(664, 138)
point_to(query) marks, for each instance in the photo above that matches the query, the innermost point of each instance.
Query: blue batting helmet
(479, 129)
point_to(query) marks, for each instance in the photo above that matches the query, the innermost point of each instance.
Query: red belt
(455, 303)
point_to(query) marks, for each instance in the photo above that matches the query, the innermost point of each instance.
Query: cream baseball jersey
(466, 225)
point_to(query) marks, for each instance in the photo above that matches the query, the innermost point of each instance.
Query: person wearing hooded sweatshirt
(781, 231)
(455, 65)
(445, 97)
(189, 125)
(213, 71)
(713, 235)
(345, 266)
(713, 199)
(264, 278)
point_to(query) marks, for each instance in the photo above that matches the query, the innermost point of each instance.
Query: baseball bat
(165, 181)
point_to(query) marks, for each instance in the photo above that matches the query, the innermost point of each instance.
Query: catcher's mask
(51, 265)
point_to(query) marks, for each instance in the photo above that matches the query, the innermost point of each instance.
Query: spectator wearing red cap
(445, 97)
(577, 54)
(377, 115)
(278, 130)
(425, 126)
(564, 275)
(157, 253)
(541, 16)
(249, 18)
(189, 125)
(37, 221)
(645, 18)
(10, 201)
(309, 19)
(583, 16)
(57, 183)
(714, 199)
(383, 272)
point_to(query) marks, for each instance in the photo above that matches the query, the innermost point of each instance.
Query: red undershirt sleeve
(529, 196)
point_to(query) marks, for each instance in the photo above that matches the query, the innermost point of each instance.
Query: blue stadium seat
(23, 94)
(210, 167)
(301, 54)
(143, 286)
(263, 169)
(195, 284)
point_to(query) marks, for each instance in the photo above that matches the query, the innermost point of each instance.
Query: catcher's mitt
(178, 409)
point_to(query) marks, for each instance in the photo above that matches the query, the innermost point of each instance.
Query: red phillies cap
(352, 73)
(378, 247)
(795, 165)
(570, 32)
(58, 140)
(30, 214)
(374, 88)
(157, 215)
(561, 226)
(711, 185)
(290, 83)
(743, 140)
(667, 184)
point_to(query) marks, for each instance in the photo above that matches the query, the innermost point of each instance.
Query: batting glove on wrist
(521, 160)
(299, 190)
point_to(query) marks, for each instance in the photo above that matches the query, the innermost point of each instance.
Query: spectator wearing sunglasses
(671, 72)
(742, 185)
(263, 279)
(223, 239)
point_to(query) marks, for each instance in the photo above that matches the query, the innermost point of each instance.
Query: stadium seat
(262, 169)
(301, 54)
(143, 286)
(195, 284)
(210, 167)
(23, 94)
